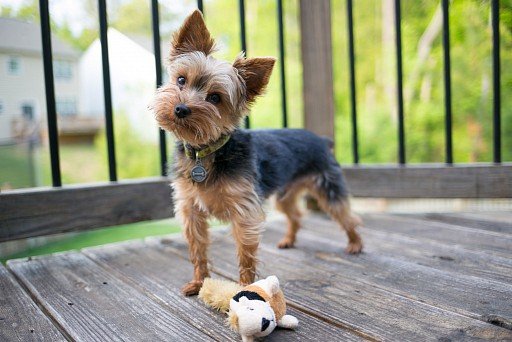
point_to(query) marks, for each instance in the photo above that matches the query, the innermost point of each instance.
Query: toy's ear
(273, 284)
(192, 36)
(255, 72)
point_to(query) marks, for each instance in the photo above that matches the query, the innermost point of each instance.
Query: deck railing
(32, 212)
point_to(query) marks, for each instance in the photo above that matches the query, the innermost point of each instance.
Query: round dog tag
(198, 173)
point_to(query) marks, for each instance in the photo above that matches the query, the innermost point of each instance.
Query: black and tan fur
(251, 166)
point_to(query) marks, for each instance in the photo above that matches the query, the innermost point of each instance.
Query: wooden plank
(500, 222)
(162, 281)
(431, 181)
(20, 318)
(351, 303)
(91, 304)
(35, 212)
(450, 235)
(467, 295)
(421, 251)
(315, 24)
(167, 274)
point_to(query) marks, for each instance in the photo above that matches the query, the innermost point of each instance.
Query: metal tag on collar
(198, 173)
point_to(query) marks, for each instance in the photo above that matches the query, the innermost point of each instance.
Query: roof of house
(147, 43)
(23, 37)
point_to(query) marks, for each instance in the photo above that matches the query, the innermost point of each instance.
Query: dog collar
(205, 151)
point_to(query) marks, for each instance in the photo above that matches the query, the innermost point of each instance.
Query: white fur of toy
(251, 315)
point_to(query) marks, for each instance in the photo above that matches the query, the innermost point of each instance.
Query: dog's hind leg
(286, 202)
(340, 212)
(330, 191)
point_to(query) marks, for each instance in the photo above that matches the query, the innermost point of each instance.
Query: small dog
(226, 172)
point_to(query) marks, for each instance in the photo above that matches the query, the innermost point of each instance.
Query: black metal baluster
(241, 9)
(200, 6)
(158, 67)
(495, 5)
(447, 82)
(107, 93)
(281, 57)
(50, 92)
(399, 81)
(351, 54)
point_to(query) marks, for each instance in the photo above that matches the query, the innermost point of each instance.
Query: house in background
(132, 76)
(22, 90)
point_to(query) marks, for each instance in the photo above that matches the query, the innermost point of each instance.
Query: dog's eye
(213, 98)
(181, 81)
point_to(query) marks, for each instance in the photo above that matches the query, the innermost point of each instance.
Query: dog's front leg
(247, 237)
(196, 232)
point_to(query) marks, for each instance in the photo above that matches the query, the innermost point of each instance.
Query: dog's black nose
(181, 111)
(264, 323)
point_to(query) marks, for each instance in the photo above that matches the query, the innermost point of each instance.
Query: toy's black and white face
(255, 317)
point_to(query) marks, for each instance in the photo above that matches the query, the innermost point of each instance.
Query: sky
(60, 10)
(72, 10)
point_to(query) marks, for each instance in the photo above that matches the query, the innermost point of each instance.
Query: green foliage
(123, 19)
(81, 41)
(135, 157)
(262, 40)
(471, 59)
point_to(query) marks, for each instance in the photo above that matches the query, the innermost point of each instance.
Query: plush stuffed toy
(254, 310)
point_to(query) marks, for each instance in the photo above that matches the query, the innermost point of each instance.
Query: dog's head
(206, 97)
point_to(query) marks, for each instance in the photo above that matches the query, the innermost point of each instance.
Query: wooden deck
(442, 277)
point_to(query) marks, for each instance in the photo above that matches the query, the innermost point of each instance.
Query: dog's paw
(192, 288)
(354, 248)
(285, 243)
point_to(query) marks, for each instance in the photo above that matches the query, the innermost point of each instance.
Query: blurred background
(24, 152)
(24, 156)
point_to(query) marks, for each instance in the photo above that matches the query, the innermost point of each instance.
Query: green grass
(15, 167)
(75, 241)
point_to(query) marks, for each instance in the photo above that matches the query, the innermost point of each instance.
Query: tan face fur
(206, 80)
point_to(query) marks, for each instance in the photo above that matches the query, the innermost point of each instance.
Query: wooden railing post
(317, 89)
(315, 23)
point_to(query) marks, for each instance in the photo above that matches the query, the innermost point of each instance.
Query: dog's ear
(192, 36)
(255, 72)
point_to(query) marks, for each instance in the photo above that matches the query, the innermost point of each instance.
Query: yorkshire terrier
(226, 172)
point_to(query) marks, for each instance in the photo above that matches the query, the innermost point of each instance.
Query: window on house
(13, 65)
(62, 70)
(27, 111)
(66, 107)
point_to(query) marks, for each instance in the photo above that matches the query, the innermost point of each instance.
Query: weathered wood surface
(421, 251)
(451, 291)
(20, 318)
(35, 212)
(418, 279)
(372, 311)
(427, 181)
(28, 213)
(497, 221)
(91, 304)
(169, 272)
(473, 239)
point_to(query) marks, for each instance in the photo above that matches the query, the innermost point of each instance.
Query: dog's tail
(216, 293)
